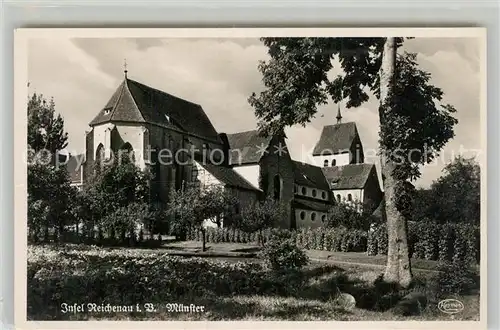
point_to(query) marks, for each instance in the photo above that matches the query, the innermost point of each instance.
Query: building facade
(175, 140)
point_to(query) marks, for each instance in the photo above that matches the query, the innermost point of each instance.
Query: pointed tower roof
(339, 115)
(137, 103)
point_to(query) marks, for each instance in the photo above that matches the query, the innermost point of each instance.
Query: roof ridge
(163, 92)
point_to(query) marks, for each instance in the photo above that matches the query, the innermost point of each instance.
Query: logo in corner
(451, 306)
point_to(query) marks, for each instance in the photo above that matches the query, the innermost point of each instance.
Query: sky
(220, 75)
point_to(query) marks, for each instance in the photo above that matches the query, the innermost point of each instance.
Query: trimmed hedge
(329, 239)
(431, 241)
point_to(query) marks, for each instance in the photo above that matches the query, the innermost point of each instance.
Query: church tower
(338, 145)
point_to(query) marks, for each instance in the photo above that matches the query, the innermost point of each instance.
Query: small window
(107, 111)
(313, 216)
(323, 218)
(334, 162)
(302, 215)
(323, 194)
(339, 199)
(304, 190)
(349, 197)
(325, 163)
(314, 192)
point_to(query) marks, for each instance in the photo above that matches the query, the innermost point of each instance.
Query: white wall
(206, 178)
(131, 133)
(342, 159)
(307, 222)
(250, 173)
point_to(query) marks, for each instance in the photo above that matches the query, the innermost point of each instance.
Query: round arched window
(349, 197)
(313, 216)
(323, 195)
(314, 192)
(323, 218)
(304, 190)
(339, 199)
(302, 215)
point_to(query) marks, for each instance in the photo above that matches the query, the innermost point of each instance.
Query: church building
(176, 141)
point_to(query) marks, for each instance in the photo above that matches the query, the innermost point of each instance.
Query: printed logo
(450, 306)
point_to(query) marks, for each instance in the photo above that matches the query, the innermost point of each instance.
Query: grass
(313, 300)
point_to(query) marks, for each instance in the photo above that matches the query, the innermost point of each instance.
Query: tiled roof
(336, 138)
(74, 168)
(138, 103)
(310, 176)
(228, 176)
(246, 147)
(311, 205)
(352, 176)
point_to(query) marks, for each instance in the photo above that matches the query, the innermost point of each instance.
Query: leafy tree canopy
(296, 81)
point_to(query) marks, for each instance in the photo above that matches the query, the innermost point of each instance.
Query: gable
(336, 139)
(136, 102)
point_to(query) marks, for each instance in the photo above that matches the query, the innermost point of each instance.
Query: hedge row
(431, 241)
(95, 237)
(331, 239)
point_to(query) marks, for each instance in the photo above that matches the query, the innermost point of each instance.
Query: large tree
(49, 190)
(45, 127)
(414, 126)
(454, 197)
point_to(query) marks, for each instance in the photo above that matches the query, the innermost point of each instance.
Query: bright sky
(220, 74)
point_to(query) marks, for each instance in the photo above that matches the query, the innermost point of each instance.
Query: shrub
(455, 278)
(283, 255)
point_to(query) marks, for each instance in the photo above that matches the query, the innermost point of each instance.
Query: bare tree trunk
(398, 269)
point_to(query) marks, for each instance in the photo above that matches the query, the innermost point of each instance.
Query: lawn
(238, 290)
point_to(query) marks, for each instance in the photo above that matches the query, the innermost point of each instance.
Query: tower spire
(125, 67)
(339, 116)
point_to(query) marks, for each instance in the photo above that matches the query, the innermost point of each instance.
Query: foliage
(282, 255)
(455, 196)
(455, 278)
(50, 197)
(296, 80)
(191, 206)
(127, 219)
(262, 215)
(345, 215)
(88, 274)
(45, 129)
(432, 241)
(329, 239)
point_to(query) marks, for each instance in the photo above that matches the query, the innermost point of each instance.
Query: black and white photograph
(329, 175)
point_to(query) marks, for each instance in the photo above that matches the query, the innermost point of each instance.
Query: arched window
(277, 187)
(314, 192)
(323, 218)
(304, 191)
(313, 216)
(323, 194)
(334, 162)
(339, 199)
(325, 163)
(302, 215)
(99, 157)
(349, 197)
